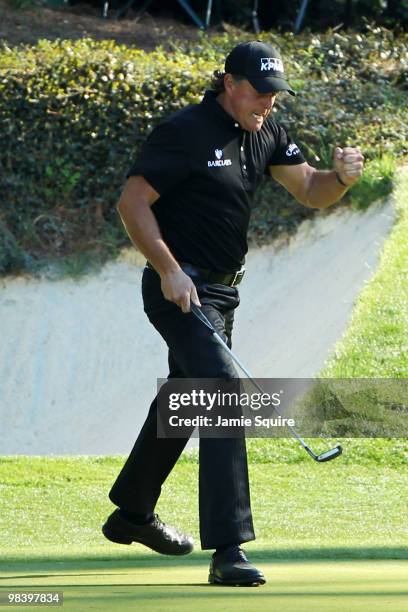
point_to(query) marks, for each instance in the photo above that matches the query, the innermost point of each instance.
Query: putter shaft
(327, 455)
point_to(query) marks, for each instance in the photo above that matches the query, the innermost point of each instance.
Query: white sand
(79, 360)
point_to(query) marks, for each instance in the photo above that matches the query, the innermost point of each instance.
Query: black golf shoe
(232, 568)
(155, 534)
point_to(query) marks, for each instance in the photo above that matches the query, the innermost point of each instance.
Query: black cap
(260, 64)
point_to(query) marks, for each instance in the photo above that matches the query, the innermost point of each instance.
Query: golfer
(186, 206)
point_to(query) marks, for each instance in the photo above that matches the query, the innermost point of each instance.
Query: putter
(327, 455)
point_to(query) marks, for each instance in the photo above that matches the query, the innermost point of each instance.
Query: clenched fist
(348, 163)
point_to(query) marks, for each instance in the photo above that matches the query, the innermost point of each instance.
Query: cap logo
(218, 153)
(272, 63)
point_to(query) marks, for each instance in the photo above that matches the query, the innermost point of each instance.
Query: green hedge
(73, 116)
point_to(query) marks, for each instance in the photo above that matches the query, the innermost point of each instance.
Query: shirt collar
(212, 105)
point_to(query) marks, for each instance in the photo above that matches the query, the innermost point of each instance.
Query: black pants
(225, 513)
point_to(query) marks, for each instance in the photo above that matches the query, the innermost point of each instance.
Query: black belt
(231, 280)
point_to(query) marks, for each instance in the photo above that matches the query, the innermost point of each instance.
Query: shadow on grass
(57, 564)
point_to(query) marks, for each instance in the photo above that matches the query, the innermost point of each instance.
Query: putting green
(332, 586)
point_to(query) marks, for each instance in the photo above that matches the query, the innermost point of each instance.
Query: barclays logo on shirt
(219, 162)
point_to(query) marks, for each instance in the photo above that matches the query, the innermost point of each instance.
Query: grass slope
(375, 344)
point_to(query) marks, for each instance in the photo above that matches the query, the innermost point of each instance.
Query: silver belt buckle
(237, 277)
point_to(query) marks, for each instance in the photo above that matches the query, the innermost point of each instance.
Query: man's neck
(222, 100)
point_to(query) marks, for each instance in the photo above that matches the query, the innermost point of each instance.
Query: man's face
(246, 105)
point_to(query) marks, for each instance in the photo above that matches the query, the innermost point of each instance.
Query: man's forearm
(141, 225)
(144, 232)
(324, 189)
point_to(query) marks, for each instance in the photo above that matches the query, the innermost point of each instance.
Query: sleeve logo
(292, 149)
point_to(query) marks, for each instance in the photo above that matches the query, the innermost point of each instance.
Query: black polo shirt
(206, 169)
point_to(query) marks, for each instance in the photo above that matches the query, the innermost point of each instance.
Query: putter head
(330, 454)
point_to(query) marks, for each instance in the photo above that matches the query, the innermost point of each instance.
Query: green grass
(293, 587)
(330, 537)
(376, 341)
(55, 506)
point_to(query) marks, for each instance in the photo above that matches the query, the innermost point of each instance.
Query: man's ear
(228, 82)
